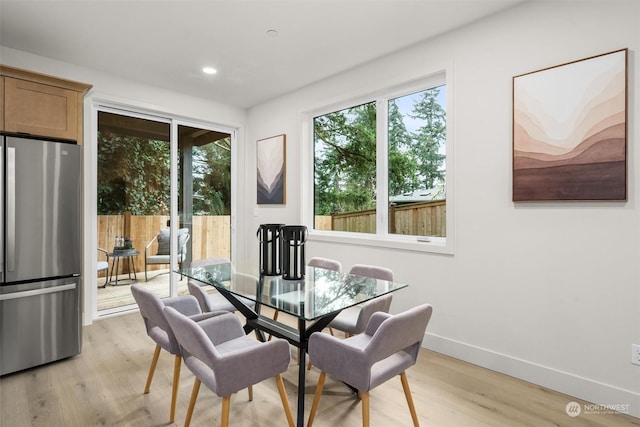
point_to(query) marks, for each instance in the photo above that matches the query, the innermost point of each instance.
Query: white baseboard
(563, 382)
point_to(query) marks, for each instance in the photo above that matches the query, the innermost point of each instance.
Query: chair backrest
(191, 337)
(370, 307)
(382, 303)
(372, 271)
(152, 312)
(183, 238)
(329, 264)
(196, 290)
(394, 333)
(194, 286)
(103, 265)
(198, 342)
(164, 245)
(246, 283)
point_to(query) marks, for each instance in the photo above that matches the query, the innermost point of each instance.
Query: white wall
(117, 91)
(547, 292)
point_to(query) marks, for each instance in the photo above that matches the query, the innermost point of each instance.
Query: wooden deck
(111, 296)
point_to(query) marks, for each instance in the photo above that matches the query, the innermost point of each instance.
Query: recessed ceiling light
(272, 33)
(209, 70)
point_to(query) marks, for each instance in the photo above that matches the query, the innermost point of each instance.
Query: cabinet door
(40, 109)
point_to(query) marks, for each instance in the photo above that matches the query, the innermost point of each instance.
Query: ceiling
(167, 43)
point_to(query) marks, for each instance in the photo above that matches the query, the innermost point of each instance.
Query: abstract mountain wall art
(570, 131)
(271, 160)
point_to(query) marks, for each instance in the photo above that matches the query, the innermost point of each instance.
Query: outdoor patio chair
(162, 253)
(103, 265)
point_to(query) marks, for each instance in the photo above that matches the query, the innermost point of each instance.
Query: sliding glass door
(204, 198)
(135, 154)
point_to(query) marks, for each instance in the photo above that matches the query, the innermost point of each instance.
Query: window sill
(438, 245)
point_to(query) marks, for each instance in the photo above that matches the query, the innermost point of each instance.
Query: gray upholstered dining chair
(221, 356)
(158, 329)
(327, 263)
(354, 319)
(162, 252)
(214, 301)
(388, 347)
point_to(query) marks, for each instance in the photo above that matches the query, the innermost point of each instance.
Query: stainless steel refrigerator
(40, 251)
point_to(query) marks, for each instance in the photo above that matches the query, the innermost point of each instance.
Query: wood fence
(210, 235)
(417, 219)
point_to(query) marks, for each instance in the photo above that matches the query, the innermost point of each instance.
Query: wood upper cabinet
(41, 105)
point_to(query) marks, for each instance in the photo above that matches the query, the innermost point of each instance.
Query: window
(380, 166)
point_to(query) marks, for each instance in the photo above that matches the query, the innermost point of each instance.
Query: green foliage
(345, 154)
(212, 178)
(133, 175)
(429, 137)
(345, 161)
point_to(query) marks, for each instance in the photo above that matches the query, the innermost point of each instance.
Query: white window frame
(382, 238)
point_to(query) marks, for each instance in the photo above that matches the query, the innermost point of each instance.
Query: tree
(345, 153)
(133, 175)
(212, 178)
(403, 162)
(429, 137)
(345, 163)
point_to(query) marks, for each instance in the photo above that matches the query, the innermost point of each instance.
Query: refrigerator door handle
(34, 292)
(1, 211)
(11, 209)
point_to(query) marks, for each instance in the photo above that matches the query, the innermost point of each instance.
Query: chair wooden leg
(407, 393)
(226, 404)
(364, 396)
(192, 402)
(176, 382)
(275, 317)
(250, 390)
(152, 368)
(316, 398)
(285, 400)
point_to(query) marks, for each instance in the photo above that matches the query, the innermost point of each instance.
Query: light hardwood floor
(103, 387)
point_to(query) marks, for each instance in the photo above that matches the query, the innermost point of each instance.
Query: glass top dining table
(314, 301)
